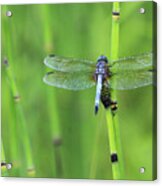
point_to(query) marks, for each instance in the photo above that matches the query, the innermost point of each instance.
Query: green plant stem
(115, 32)
(113, 145)
(112, 122)
(20, 125)
(51, 97)
(115, 56)
(4, 171)
(14, 156)
(23, 137)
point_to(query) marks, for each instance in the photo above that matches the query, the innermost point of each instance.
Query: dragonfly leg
(114, 107)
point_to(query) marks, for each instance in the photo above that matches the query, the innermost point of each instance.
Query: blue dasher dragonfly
(78, 74)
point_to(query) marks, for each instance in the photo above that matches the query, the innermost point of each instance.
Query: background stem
(23, 138)
(19, 137)
(4, 171)
(51, 97)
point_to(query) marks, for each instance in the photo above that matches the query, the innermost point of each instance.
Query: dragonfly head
(102, 58)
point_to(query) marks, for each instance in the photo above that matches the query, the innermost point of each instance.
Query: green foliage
(49, 113)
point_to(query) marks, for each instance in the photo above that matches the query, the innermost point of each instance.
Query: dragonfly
(79, 74)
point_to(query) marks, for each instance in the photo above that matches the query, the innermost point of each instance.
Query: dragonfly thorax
(101, 69)
(101, 66)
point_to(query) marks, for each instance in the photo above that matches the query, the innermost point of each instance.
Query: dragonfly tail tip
(96, 109)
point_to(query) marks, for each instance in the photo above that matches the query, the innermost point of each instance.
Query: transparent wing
(144, 61)
(69, 64)
(131, 79)
(71, 81)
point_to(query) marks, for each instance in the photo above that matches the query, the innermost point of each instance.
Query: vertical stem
(113, 146)
(51, 98)
(10, 132)
(112, 121)
(4, 171)
(21, 124)
(115, 56)
(115, 31)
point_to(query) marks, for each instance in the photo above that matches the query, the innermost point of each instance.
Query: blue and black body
(102, 75)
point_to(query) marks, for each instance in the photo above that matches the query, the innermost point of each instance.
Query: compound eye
(103, 58)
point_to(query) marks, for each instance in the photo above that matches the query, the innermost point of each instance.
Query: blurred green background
(52, 132)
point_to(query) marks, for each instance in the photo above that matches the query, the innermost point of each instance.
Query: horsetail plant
(27, 166)
(112, 122)
(4, 171)
(115, 56)
(21, 124)
(51, 98)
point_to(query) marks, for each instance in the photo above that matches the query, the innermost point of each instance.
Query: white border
(57, 1)
(62, 182)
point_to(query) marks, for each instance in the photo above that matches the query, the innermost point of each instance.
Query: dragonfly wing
(131, 79)
(71, 81)
(144, 61)
(69, 64)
